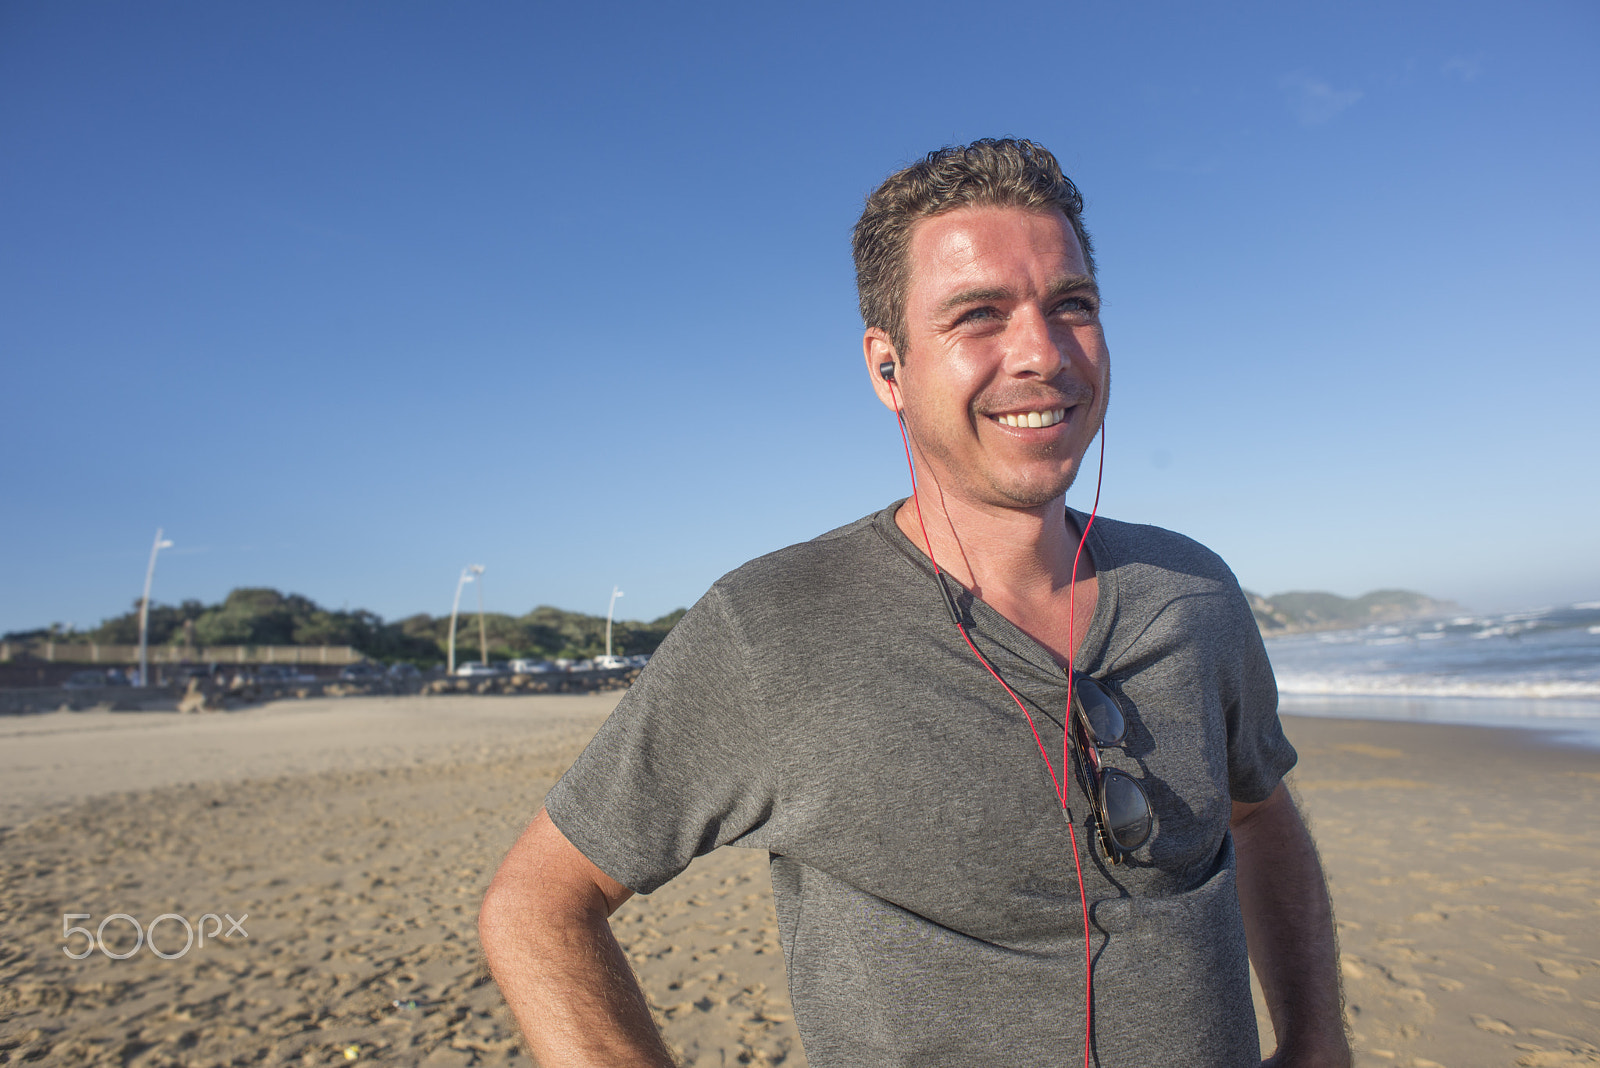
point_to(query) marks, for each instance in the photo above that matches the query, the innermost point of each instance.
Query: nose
(1033, 349)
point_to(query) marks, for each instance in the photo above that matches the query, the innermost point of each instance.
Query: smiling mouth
(1042, 418)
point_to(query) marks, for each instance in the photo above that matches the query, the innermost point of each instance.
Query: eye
(978, 315)
(1082, 308)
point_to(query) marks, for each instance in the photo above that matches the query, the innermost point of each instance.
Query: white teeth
(1034, 419)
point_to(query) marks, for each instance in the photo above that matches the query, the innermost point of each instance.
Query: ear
(878, 349)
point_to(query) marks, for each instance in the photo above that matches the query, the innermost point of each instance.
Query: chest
(928, 788)
(1059, 622)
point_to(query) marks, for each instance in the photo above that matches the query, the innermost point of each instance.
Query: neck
(1000, 554)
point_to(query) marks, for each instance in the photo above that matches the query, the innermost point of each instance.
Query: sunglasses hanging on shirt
(1121, 807)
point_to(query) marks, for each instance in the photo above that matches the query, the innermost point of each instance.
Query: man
(878, 708)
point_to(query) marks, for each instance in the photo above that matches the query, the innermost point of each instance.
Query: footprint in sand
(1545, 992)
(1555, 1058)
(1558, 969)
(1491, 1025)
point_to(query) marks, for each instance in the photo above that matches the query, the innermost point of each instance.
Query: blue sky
(348, 296)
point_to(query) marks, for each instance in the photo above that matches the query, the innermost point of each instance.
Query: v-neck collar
(992, 624)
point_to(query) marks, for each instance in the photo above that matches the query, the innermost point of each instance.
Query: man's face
(1005, 378)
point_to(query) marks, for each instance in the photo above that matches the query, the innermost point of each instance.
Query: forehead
(1008, 247)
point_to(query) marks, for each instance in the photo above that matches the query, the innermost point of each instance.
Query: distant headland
(1298, 611)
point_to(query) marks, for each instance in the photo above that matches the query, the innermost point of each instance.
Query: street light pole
(144, 610)
(467, 575)
(615, 593)
(483, 636)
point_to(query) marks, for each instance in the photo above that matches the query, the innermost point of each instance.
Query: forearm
(572, 991)
(545, 931)
(1289, 925)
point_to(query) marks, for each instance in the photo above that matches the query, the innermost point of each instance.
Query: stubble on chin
(1035, 494)
(1018, 490)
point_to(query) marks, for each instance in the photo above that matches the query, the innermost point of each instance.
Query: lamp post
(615, 593)
(467, 575)
(483, 635)
(144, 610)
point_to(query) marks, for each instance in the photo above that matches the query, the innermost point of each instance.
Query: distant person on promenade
(1019, 770)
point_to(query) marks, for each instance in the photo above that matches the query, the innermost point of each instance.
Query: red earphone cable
(1066, 733)
(916, 500)
(1061, 784)
(1072, 585)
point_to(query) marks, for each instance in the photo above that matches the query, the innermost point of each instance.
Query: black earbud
(886, 370)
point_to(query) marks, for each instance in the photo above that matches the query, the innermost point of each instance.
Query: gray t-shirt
(818, 703)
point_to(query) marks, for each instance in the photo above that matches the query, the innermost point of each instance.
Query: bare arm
(1288, 922)
(544, 930)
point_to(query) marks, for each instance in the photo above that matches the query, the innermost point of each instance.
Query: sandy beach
(343, 844)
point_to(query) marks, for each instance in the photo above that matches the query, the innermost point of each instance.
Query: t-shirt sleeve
(681, 766)
(1259, 755)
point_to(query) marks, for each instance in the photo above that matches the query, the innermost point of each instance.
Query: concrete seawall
(33, 700)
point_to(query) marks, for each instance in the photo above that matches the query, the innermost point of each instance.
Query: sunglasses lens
(1126, 808)
(1105, 718)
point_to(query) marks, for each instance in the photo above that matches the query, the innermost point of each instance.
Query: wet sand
(354, 838)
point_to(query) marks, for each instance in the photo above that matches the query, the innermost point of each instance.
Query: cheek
(945, 381)
(1096, 355)
(963, 376)
(938, 418)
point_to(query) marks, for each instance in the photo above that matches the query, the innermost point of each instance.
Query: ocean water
(1538, 669)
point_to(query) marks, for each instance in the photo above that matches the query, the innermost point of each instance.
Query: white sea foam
(1518, 617)
(1424, 686)
(1531, 666)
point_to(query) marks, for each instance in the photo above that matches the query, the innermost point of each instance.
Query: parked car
(402, 670)
(475, 670)
(639, 660)
(362, 672)
(582, 665)
(606, 662)
(85, 680)
(531, 667)
(281, 675)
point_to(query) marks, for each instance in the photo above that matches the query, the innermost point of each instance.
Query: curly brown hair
(990, 172)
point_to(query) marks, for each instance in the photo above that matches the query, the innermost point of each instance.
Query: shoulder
(1143, 547)
(1161, 575)
(833, 561)
(836, 584)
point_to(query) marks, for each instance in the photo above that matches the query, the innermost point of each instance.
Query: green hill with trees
(261, 616)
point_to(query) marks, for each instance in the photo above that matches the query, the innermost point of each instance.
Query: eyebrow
(1072, 283)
